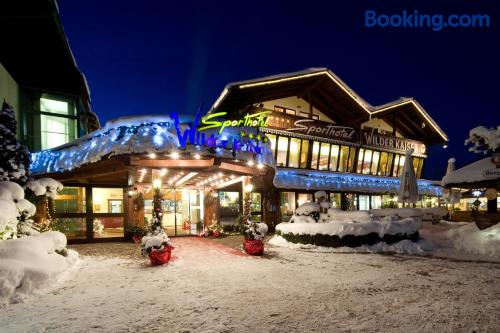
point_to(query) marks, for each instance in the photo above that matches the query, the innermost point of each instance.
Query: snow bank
(470, 239)
(30, 264)
(342, 228)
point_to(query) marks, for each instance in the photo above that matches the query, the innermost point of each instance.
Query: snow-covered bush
(306, 213)
(484, 139)
(45, 186)
(470, 239)
(31, 263)
(15, 221)
(255, 230)
(156, 240)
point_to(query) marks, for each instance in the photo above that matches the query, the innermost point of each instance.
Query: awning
(346, 182)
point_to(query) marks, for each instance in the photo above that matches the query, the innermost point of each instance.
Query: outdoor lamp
(248, 187)
(157, 183)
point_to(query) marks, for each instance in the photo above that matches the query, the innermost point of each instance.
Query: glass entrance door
(188, 211)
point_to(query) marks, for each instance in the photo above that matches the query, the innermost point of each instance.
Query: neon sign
(238, 142)
(259, 119)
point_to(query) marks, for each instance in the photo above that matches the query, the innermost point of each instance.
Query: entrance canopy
(157, 142)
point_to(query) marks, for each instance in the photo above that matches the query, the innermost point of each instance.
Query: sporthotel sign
(327, 130)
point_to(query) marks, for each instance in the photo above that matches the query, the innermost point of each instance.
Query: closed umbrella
(451, 166)
(408, 189)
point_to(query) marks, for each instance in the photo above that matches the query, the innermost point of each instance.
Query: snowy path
(210, 288)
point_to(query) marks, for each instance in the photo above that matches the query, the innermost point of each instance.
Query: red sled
(161, 257)
(254, 247)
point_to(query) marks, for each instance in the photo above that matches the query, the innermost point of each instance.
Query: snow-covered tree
(484, 139)
(14, 157)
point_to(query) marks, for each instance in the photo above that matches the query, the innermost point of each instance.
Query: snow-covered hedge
(348, 234)
(29, 264)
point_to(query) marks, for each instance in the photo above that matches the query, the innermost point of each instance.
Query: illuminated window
(335, 200)
(303, 198)
(383, 164)
(420, 166)
(315, 155)
(324, 155)
(344, 155)
(364, 202)
(390, 158)
(367, 159)
(293, 159)
(396, 164)
(287, 205)
(415, 164)
(376, 201)
(360, 160)
(282, 151)
(272, 142)
(334, 157)
(401, 164)
(59, 127)
(375, 159)
(352, 154)
(303, 154)
(69, 200)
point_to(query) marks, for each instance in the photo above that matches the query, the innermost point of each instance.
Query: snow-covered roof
(334, 181)
(323, 71)
(134, 135)
(471, 173)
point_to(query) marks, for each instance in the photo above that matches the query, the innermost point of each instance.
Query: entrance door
(189, 211)
(229, 208)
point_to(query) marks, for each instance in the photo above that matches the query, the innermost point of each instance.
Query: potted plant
(157, 246)
(254, 233)
(137, 233)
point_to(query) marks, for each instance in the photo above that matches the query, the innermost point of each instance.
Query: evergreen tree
(14, 157)
(156, 219)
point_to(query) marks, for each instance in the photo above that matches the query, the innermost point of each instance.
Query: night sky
(152, 57)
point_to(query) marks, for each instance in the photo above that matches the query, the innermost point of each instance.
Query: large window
(68, 208)
(334, 157)
(367, 159)
(324, 156)
(375, 159)
(315, 155)
(294, 151)
(304, 154)
(57, 122)
(107, 206)
(287, 205)
(282, 151)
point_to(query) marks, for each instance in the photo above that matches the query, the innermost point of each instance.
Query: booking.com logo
(436, 22)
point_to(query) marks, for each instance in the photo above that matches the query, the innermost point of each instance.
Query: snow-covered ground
(212, 288)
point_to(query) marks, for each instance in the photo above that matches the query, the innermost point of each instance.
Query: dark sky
(150, 57)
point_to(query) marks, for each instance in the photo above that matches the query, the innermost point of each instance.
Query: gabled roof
(333, 97)
(474, 174)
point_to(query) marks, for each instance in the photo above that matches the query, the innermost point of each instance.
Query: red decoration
(160, 257)
(254, 247)
(137, 239)
(216, 233)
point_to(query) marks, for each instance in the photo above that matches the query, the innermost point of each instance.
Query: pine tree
(157, 210)
(14, 157)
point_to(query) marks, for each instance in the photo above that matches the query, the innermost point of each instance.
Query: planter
(137, 239)
(216, 234)
(254, 247)
(160, 257)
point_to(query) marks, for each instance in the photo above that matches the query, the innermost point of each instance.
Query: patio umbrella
(408, 189)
